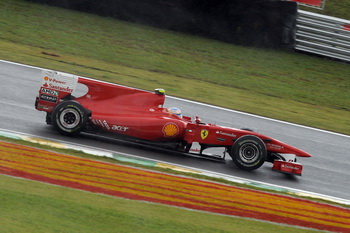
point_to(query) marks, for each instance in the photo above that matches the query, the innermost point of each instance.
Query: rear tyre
(248, 152)
(69, 118)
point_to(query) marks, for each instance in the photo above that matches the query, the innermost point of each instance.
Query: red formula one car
(137, 115)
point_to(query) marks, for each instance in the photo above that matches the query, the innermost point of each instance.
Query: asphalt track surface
(327, 172)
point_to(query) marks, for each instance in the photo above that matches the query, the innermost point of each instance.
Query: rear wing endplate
(54, 86)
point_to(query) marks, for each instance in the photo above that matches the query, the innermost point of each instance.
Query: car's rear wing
(54, 87)
(58, 86)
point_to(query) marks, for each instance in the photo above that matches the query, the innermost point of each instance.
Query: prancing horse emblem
(204, 134)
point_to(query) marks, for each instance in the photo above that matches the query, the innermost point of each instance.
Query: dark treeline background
(262, 23)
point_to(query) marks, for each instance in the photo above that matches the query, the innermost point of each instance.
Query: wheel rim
(249, 152)
(69, 118)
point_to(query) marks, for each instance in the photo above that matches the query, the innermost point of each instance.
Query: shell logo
(170, 130)
(46, 78)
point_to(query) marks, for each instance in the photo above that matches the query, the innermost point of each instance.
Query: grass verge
(27, 208)
(277, 84)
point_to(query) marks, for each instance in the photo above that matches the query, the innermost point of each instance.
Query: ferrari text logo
(204, 134)
(170, 130)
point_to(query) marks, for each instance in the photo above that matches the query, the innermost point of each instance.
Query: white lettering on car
(119, 128)
(226, 134)
(274, 146)
(290, 167)
(48, 98)
(59, 88)
(56, 81)
(50, 92)
(104, 124)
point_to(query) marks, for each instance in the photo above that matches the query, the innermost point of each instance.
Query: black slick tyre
(69, 118)
(248, 152)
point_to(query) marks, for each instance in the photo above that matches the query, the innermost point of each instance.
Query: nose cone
(283, 148)
(297, 151)
(303, 154)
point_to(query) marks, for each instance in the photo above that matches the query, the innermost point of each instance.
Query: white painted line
(212, 106)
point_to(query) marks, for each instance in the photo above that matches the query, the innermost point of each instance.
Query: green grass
(278, 84)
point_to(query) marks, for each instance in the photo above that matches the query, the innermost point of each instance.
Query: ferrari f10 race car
(138, 115)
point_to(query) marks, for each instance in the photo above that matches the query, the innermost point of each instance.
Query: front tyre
(248, 152)
(69, 118)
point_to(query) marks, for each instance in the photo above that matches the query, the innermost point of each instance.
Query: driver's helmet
(175, 111)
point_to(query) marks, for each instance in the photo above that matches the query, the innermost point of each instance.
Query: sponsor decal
(204, 133)
(54, 80)
(226, 134)
(195, 150)
(274, 146)
(170, 130)
(290, 167)
(59, 81)
(49, 92)
(104, 124)
(58, 88)
(48, 98)
(120, 128)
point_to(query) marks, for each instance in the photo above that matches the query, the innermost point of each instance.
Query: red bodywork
(140, 114)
